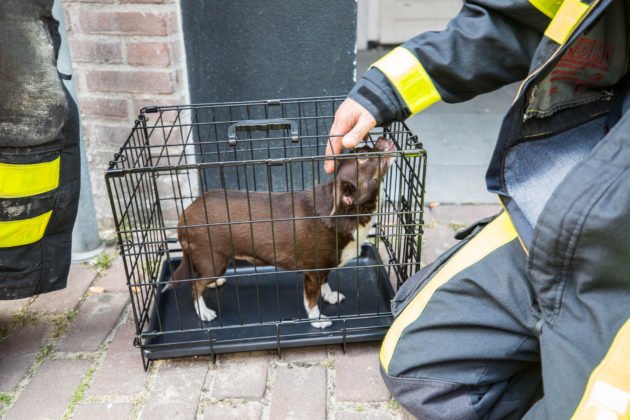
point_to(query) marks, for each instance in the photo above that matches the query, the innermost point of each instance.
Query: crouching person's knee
(430, 398)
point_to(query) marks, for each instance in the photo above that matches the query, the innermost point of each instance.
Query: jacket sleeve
(490, 43)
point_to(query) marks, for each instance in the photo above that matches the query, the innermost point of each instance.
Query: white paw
(220, 282)
(203, 312)
(322, 323)
(331, 296)
(313, 313)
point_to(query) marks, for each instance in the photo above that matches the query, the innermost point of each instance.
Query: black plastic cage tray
(252, 302)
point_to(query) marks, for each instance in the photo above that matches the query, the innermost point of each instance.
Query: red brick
(103, 107)
(70, 16)
(148, 54)
(128, 81)
(95, 51)
(139, 103)
(108, 136)
(176, 51)
(132, 23)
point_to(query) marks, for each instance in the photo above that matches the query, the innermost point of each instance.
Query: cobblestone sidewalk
(69, 355)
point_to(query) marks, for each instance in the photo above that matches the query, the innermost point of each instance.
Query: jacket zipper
(555, 53)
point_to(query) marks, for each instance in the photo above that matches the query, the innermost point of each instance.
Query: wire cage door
(227, 225)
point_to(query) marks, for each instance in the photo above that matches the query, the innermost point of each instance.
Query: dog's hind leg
(206, 269)
(183, 271)
(311, 295)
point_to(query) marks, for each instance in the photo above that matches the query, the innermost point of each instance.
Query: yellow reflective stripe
(23, 232)
(548, 7)
(607, 394)
(24, 180)
(409, 78)
(565, 21)
(520, 240)
(496, 234)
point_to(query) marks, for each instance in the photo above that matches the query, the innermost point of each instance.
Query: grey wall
(262, 49)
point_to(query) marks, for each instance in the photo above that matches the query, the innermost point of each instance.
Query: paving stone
(435, 242)
(406, 415)
(18, 354)
(114, 278)
(50, 390)
(241, 378)
(362, 414)
(79, 279)
(236, 411)
(105, 411)
(315, 354)
(357, 375)
(245, 356)
(97, 316)
(467, 214)
(299, 393)
(175, 394)
(121, 372)
(9, 307)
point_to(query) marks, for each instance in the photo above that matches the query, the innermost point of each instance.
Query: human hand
(353, 122)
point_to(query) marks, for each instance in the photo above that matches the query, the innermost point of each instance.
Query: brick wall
(126, 54)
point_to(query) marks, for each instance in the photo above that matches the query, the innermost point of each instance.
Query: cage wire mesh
(253, 159)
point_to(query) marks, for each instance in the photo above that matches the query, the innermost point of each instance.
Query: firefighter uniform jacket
(39, 153)
(561, 168)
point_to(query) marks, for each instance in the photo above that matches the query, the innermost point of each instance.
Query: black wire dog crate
(307, 258)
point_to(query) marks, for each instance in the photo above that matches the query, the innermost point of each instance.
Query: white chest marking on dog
(353, 248)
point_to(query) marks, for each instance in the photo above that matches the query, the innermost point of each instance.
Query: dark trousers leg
(464, 344)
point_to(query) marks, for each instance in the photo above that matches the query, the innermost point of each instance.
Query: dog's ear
(344, 194)
(348, 192)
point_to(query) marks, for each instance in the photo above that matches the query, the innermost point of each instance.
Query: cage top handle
(268, 124)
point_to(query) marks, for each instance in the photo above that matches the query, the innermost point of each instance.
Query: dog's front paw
(203, 312)
(330, 295)
(322, 323)
(333, 297)
(206, 314)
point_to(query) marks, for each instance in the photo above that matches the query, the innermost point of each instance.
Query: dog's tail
(184, 271)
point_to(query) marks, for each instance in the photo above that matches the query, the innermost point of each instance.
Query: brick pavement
(69, 355)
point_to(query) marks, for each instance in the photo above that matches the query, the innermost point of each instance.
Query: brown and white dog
(240, 228)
